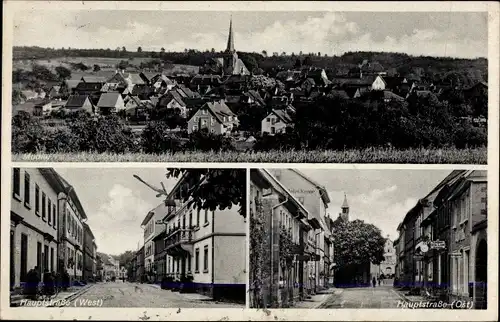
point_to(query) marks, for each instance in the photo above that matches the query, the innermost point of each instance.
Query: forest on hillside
(466, 71)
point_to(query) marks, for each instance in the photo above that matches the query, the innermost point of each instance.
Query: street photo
(128, 237)
(354, 239)
(249, 86)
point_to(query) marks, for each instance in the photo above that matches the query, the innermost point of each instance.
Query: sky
(116, 203)
(379, 197)
(453, 34)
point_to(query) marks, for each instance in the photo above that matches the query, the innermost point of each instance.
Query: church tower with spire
(230, 55)
(345, 209)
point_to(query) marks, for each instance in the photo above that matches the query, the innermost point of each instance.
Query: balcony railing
(179, 236)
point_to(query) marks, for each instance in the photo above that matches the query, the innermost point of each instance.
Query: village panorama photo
(253, 86)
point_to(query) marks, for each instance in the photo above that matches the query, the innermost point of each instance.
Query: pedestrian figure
(32, 281)
(65, 280)
(379, 281)
(374, 281)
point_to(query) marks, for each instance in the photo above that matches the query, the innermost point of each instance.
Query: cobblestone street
(119, 294)
(372, 298)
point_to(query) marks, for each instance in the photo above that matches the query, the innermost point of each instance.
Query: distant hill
(464, 71)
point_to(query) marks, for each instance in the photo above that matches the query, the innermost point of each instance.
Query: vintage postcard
(249, 86)
(168, 160)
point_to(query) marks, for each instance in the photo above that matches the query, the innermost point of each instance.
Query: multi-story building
(99, 268)
(315, 199)
(34, 223)
(468, 206)
(89, 248)
(42, 199)
(94, 260)
(152, 228)
(207, 245)
(285, 251)
(140, 264)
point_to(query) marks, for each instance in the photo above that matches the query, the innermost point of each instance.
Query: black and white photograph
(354, 239)
(120, 238)
(250, 86)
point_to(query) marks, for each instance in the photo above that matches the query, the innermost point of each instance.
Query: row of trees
(333, 123)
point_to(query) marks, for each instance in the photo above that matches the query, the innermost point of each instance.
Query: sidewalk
(409, 298)
(72, 292)
(317, 300)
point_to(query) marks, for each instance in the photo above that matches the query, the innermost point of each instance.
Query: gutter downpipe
(273, 209)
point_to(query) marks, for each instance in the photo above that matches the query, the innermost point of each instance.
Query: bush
(28, 134)
(102, 134)
(156, 138)
(61, 141)
(470, 136)
(202, 140)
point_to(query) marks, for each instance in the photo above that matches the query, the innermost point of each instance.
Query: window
(37, 200)
(68, 221)
(44, 209)
(54, 216)
(198, 218)
(205, 259)
(39, 255)
(195, 128)
(273, 130)
(197, 260)
(27, 189)
(189, 259)
(49, 211)
(46, 257)
(206, 216)
(16, 184)
(203, 122)
(190, 219)
(184, 222)
(204, 112)
(24, 257)
(268, 120)
(52, 259)
(212, 121)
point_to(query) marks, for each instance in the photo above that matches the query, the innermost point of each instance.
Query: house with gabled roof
(111, 102)
(277, 121)
(252, 97)
(172, 100)
(214, 116)
(79, 103)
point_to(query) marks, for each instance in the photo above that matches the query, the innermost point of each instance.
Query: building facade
(89, 250)
(46, 225)
(281, 254)
(315, 199)
(152, 228)
(207, 246)
(34, 226)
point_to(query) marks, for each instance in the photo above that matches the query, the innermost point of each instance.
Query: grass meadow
(370, 155)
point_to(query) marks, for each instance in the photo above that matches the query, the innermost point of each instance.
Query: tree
(298, 63)
(97, 68)
(43, 73)
(17, 97)
(214, 188)
(139, 49)
(213, 51)
(162, 50)
(63, 72)
(249, 62)
(264, 53)
(122, 64)
(124, 49)
(356, 244)
(307, 61)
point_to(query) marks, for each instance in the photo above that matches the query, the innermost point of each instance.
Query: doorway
(481, 275)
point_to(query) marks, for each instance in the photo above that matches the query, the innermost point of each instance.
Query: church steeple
(345, 209)
(230, 38)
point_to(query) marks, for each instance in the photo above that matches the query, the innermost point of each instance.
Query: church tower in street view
(345, 209)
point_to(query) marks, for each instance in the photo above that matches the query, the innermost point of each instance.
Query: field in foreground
(415, 156)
